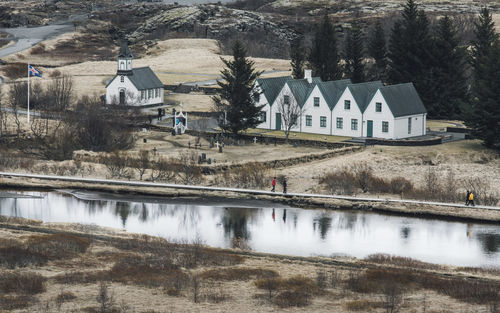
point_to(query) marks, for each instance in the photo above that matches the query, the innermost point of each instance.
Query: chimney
(308, 76)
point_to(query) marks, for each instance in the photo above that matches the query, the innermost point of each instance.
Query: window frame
(263, 116)
(347, 105)
(308, 120)
(286, 99)
(316, 104)
(340, 123)
(378, 107)
(354, 124)
(322, 121)
(385, 126)
(409, 125)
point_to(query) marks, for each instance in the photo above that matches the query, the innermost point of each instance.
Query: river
(268, 227)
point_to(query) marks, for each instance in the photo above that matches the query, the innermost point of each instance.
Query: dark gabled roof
(300, 89)
(403, 99)
(332, 90)
(272, 86)
(125, 51)
(145, 78)
(363, 92)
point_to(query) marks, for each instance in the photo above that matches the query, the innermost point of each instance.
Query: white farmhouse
(344, 109)
(133, 87)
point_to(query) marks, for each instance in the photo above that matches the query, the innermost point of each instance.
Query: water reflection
(284, 230)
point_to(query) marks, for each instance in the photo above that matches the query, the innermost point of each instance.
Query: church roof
(125, 51)
(143, 78)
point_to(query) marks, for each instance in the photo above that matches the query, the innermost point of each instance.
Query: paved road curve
(236, 190)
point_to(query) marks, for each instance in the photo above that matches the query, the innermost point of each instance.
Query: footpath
(234, 190)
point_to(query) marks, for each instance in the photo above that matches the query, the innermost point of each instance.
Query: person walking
(471, 198)
(467, 198)
(273, 184)
(284, 185)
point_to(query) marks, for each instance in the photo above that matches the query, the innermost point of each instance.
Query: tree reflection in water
(489, 242)
(235, 222)
(324, 223)
(122, 209)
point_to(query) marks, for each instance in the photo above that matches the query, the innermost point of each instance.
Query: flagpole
(28, 95)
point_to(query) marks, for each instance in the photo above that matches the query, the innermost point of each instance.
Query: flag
(33, 71)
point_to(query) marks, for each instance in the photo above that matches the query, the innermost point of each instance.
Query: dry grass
(387, 259)
(22, 282)
(362, 305)
(298, 135)
(238, 273)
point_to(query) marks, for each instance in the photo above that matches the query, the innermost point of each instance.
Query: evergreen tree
(378, 51)
(298, 58)
(353, 55)
(483, 115)
(237, 98)
(485, 37)
(410, 51)
(449, 82)
(324, 57)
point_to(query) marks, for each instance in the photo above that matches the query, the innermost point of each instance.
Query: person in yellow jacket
(471, 198)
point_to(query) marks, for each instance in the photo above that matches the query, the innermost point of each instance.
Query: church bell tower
(124, 60)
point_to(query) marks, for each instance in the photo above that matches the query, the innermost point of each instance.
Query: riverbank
(74, 263)
(391, 206)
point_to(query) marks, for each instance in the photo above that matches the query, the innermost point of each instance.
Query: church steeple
(124, 60)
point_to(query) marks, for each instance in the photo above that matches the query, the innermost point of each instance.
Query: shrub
(16, 70)
(65, 296)
(57, 246)
(118, 164)
(38, 49)
(230, 274)
(339, 182)
(15, 302)
(13, 257)
(361, 305)
(289, 298)
(399, 185)
(25, 283)
(382, 258)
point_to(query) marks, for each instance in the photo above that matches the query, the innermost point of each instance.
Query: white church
(342, 108)
(133, 86)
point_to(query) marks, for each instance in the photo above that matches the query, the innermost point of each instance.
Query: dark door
(369, 129)
(278, 121)
(122, 97)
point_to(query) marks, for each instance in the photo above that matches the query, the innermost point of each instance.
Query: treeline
(454, 80)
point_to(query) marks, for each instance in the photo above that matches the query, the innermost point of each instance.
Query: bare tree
(163, 170)
(142, 163)
(189, 171)
(18, 97)
(104, 298)
(3, 118)
(60, 93)
(291, 113)
(392, 297)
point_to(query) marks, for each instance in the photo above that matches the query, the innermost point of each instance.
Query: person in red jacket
(273, 183)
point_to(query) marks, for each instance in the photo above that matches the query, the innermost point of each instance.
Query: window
(340, 123)
(316, 101)
(378, 106)
(322, 121)
(143, 94)
(354, 124)
(150, 93)
(286, 99)
(122, 78)
(409, 125)
(157, 93)
(309, 120)
(385, 127)
(263, 116)
(347, 104)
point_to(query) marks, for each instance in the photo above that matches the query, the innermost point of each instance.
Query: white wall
(418, 126)
(132, 95)
(378, 118)
(316, 113)
(347, 115)
(267, 108)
